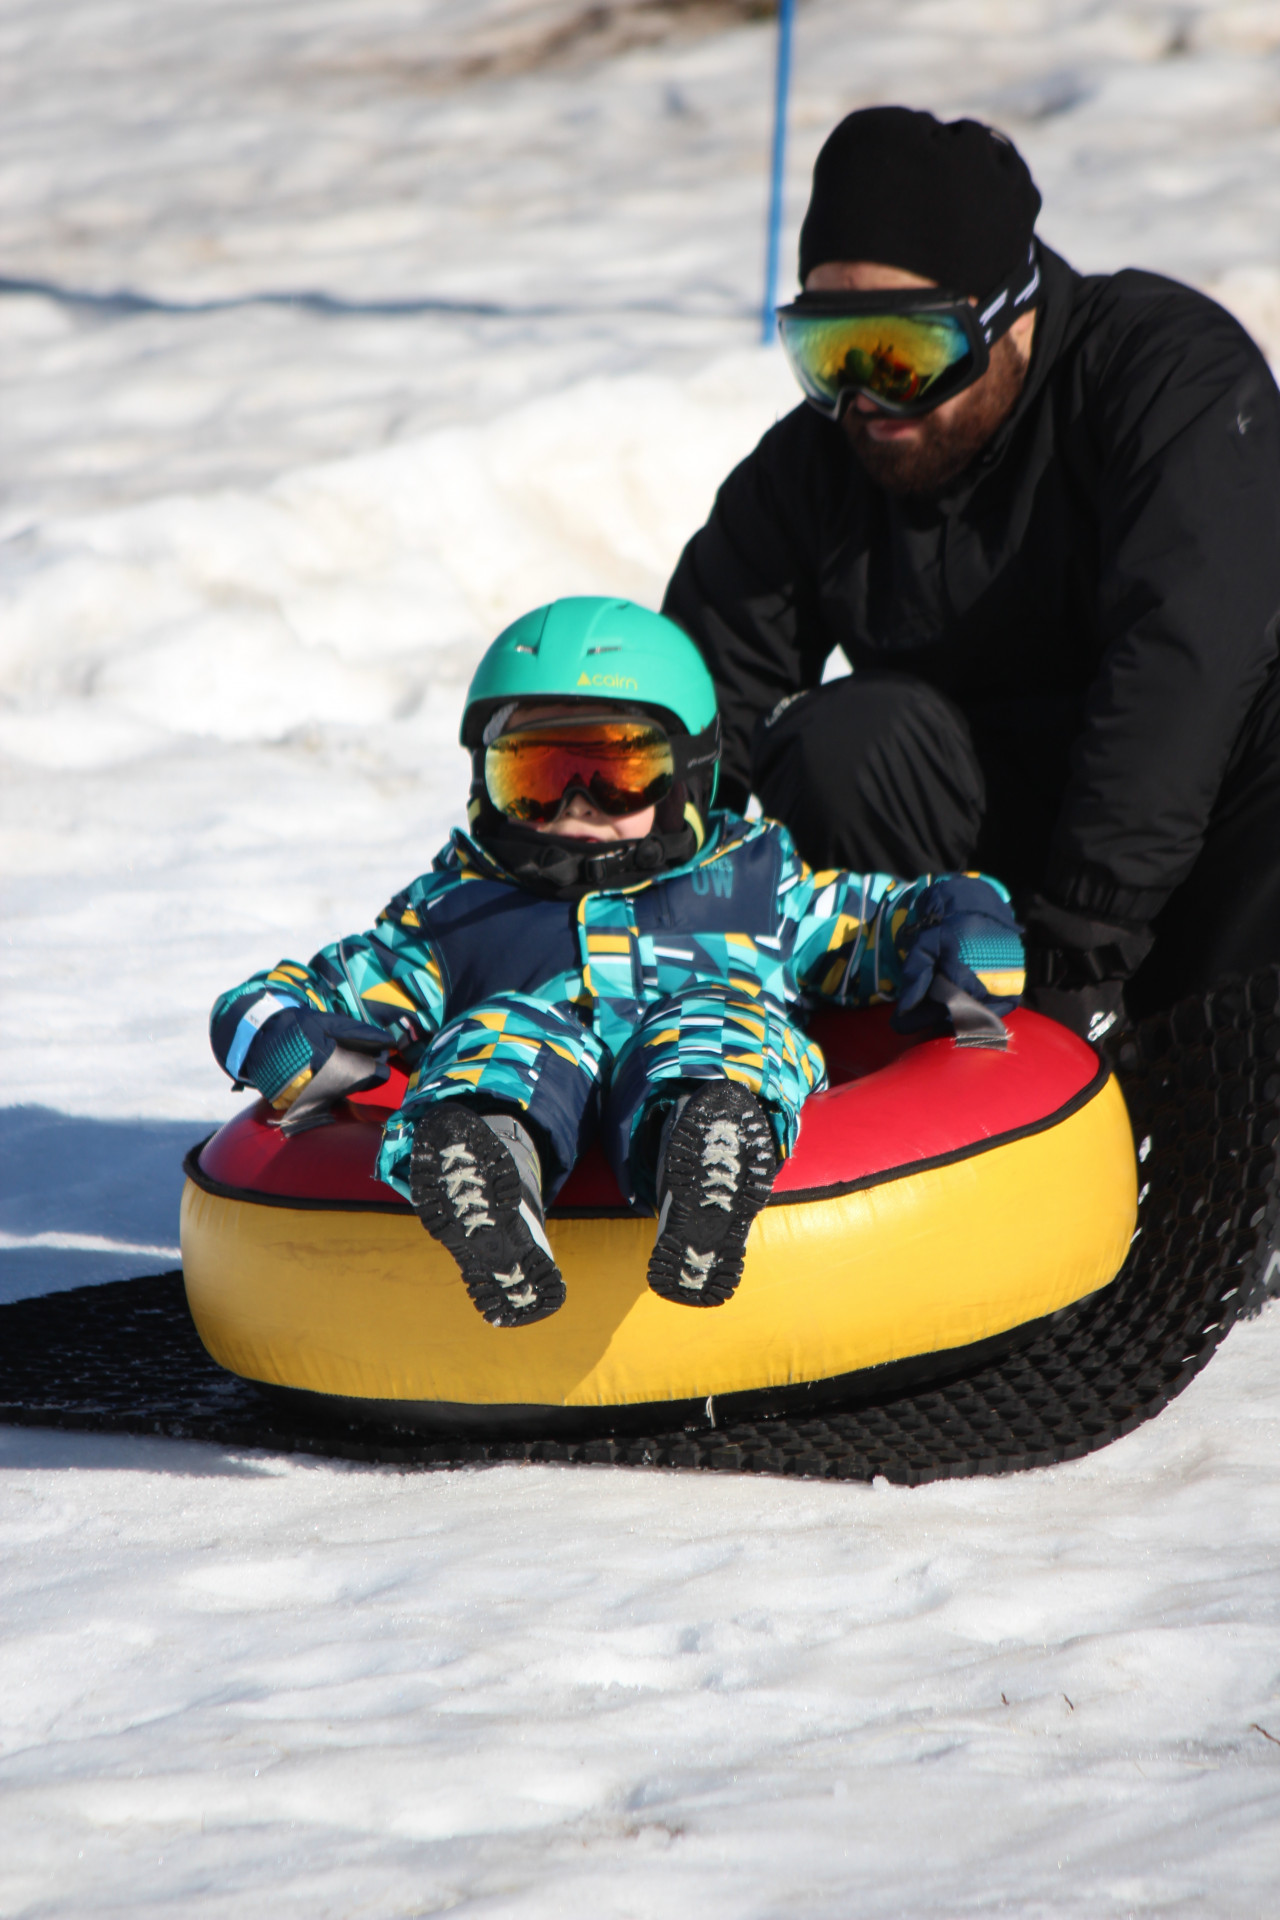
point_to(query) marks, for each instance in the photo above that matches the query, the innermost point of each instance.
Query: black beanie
(951, 201)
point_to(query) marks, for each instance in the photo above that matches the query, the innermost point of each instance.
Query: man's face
(921, 455)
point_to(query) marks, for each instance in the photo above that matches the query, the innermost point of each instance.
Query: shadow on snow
(115, 1180)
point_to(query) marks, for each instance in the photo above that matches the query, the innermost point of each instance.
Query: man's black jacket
(1105, 575)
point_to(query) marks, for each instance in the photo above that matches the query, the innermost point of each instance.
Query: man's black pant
(881, 772)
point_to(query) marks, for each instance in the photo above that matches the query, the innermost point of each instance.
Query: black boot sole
(719, 1172)
(466, 1192)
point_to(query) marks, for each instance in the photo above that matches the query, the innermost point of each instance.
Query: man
(1040, 516)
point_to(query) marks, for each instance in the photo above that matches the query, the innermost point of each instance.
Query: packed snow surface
(333, 335)
(244, 1686)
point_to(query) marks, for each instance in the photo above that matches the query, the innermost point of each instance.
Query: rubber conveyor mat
(1203, 1087)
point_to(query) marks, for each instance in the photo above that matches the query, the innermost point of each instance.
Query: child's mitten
(964, 938)
(302, 1061)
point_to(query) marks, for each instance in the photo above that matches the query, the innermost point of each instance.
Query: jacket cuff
(1092, 892)
(1073, 951)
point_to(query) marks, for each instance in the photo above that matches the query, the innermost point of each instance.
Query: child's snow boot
(476, 1184)
(716, 1168)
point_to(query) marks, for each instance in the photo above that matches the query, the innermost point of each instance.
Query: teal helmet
(619, 656)
(612, 651)
(589, 648)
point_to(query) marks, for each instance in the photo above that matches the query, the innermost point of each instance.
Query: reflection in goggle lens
(622, 766)
(903, 359)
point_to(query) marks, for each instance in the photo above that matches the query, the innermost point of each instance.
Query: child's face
(579, 818)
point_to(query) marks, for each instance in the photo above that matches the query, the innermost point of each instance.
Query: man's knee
(874, 772)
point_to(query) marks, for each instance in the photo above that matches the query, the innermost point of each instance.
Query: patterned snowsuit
(583, 1014)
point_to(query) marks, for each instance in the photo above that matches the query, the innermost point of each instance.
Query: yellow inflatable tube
(910, 1263)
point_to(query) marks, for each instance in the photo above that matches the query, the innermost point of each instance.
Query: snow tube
(942, 1200)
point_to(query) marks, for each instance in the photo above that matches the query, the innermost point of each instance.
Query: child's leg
(703, 1102)
(707, 1033)
(496, 1114)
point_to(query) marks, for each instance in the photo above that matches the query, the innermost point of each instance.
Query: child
(603, 953)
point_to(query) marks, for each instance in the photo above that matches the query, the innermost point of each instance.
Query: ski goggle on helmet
(622, 763)
(908, 349)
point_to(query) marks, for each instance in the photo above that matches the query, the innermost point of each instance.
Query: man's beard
(946, 445)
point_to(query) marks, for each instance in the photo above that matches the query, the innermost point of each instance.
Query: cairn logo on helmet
(611, 682)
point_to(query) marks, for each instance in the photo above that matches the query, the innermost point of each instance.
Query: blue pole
(782, 86)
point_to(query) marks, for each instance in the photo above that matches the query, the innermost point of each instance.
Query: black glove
(1077, 968)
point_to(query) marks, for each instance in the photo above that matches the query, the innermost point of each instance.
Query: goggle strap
(692, 751)
(999, 314)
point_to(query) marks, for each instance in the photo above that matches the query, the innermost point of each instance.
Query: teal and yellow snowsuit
(585, 1014)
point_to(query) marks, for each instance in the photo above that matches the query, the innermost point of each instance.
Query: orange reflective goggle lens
(621, 765)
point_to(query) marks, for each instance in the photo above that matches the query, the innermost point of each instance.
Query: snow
(240, 1685)
(333, 335)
